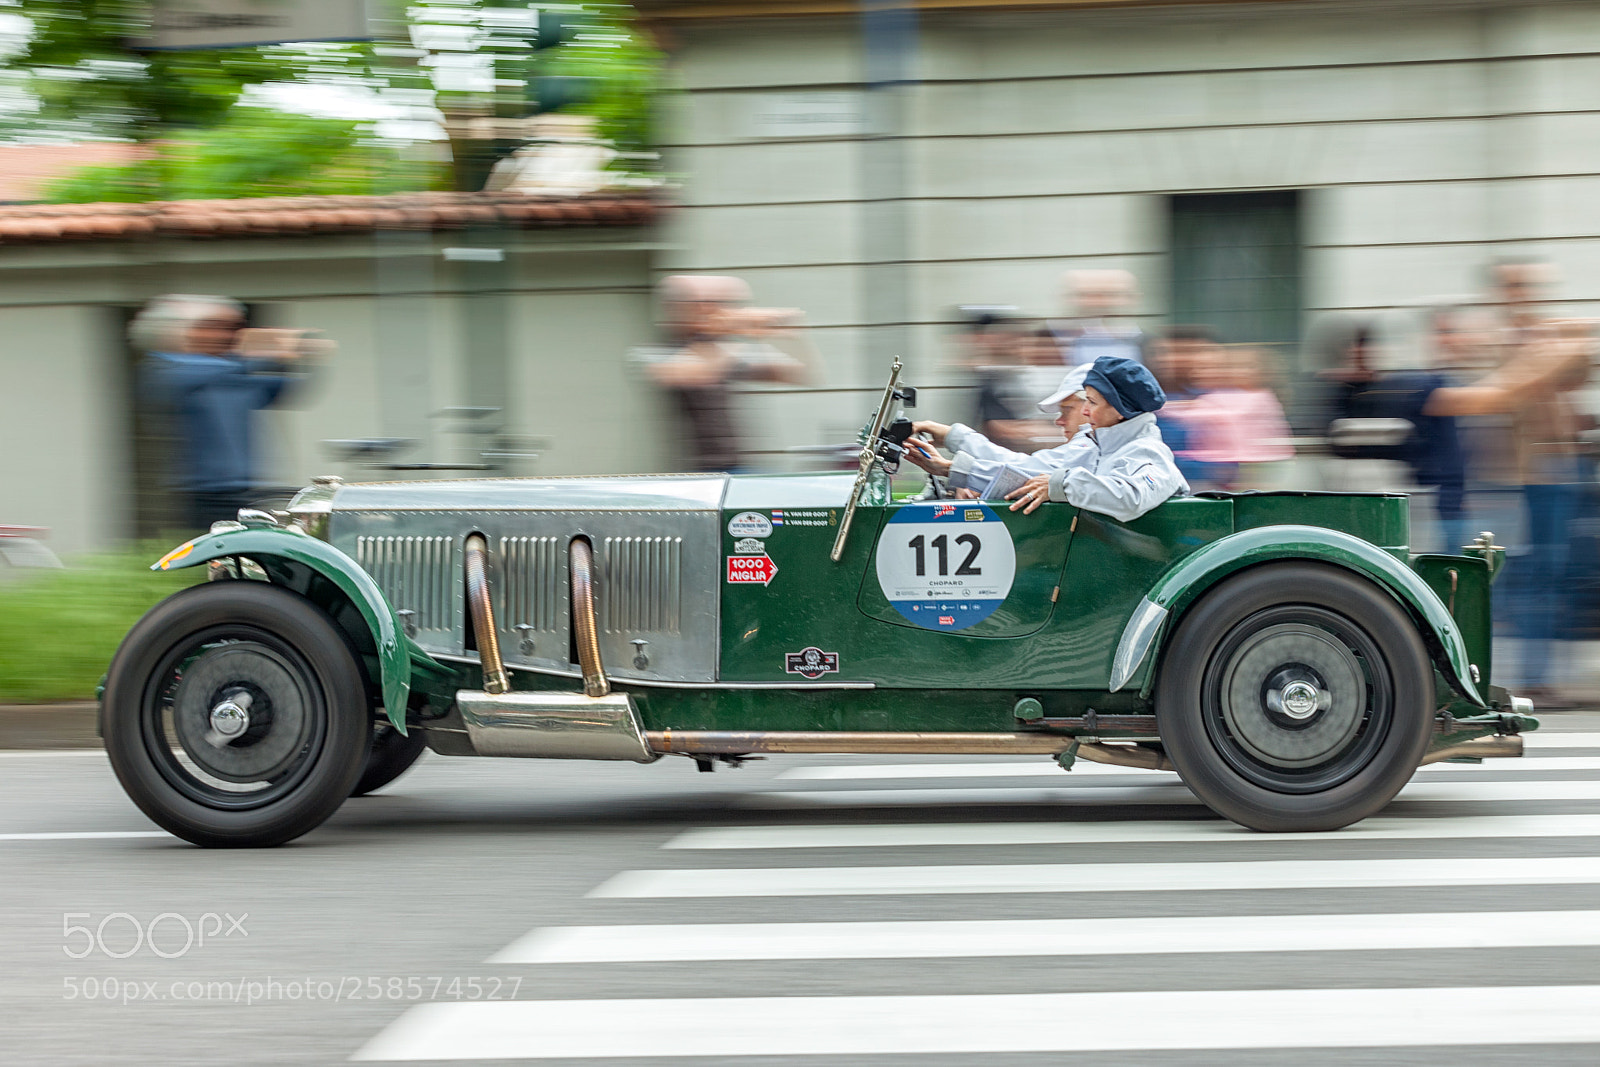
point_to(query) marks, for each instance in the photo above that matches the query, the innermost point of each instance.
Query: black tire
(391, 755)
(176, 686)
(1295, 697)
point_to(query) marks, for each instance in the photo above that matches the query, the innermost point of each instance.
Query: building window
(1236, 265)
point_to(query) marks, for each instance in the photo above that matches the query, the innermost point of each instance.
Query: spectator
(1008, 412)
(1236, 425)
(208, 376)
(990, 352)
(1176, 359)
(1545, 436)
(714, 341)
(1100, 302)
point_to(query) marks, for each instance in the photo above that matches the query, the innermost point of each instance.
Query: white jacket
(1122, 471)
(977, 459)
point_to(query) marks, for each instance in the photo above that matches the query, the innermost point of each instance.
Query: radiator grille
(415, 574)
(532, 587)
(642, 589)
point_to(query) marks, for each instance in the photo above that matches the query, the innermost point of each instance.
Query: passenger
(1116, 464)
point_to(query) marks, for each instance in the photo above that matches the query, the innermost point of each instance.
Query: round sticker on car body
(946, 566)
(749, 524)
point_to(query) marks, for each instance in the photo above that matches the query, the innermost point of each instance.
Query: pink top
(1238, 426)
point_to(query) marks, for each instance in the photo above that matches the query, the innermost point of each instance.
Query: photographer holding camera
(715, 340)
(208, 375)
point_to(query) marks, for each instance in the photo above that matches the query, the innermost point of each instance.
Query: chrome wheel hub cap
(1293, 696)
(1297, 700)
(229, 719)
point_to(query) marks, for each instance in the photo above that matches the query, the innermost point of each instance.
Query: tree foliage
(208, 133)
(257, 152)
(85, 69)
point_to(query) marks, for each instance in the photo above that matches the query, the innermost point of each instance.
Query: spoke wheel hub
(240, 713)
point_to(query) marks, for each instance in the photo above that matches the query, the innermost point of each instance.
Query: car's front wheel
(1295, 697)
(235, 715)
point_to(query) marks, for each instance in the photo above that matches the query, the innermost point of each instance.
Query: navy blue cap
(1126, 385)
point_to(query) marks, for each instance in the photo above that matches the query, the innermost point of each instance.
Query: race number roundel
(946, 566)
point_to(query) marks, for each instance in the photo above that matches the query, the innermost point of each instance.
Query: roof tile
(288, 216)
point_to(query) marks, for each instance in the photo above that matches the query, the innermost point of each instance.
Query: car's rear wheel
(235, 715)
(391, 755)
(1295, 697)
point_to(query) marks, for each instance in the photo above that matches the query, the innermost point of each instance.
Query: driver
(978, 460)
(1116, 465)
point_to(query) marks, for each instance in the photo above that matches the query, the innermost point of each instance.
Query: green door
(967, 567)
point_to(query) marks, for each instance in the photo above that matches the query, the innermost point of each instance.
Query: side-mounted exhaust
(596, 724)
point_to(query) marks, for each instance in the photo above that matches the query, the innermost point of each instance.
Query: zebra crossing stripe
(1553, 739)
(1153, 792)
(86, 835)
(1052, 937)
(1097, 877)
(917, 835)
(1048, 769)
(991, 1023)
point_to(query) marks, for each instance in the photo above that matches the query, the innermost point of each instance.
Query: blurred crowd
(1480, 406)
(1224, 416)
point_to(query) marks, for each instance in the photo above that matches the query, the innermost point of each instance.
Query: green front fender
(291, 543)
(1200, 570)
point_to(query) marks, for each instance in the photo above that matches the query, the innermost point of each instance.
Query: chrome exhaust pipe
(554, 726)
(476, 550)
(584, 632)
(1125, 756)
(1478, 747)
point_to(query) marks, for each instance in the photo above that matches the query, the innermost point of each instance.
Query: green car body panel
(1190, 578)
(270, 545)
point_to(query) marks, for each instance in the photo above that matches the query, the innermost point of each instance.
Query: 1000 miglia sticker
(946, 566)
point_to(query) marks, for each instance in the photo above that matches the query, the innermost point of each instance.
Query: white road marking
(1051, 937)
(1097, 877)
(86, 835)
(1148, 793)
(995, 769)
(916, 835)
(1532, 761)
(39, 753)
(1552, 739)
(1048, 769)
(703, 1027)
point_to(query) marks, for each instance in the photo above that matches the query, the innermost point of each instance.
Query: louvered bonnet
(656, 543)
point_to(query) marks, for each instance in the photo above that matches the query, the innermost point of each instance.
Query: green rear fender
(267, 543)
(1194, 574)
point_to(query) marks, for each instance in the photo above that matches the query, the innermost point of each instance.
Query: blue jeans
(1456, 535)
(1545, 600)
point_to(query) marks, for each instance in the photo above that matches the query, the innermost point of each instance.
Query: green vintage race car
(1285, 653)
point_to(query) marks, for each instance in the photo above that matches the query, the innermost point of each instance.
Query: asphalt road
(811, 913)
